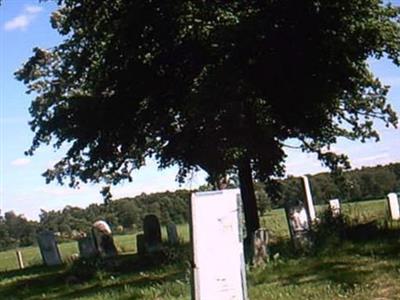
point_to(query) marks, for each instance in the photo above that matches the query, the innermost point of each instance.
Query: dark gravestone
(140, 246)
(299, 227)
(172, 234)
(152, 234)
(87, 247)
(48, 248)
(103, 239)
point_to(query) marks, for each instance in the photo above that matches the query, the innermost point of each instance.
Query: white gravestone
(299, 226)
(334, 207)
(103, 239)
(49, 249)
(393, 203)
(218, 258)
(309, 201)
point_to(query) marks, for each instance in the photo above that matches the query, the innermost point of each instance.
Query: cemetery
(349, 251)
(244, 131)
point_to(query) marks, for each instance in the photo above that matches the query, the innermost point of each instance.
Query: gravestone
(48, 248)
(103, 239)
(260, 247)
(87, 247)
(308, 199)
(299, 226)
(140, 246)
(20, 260)
(172, 234)
(152, 233)
(393, 204)
(218, 260)
(334, 207)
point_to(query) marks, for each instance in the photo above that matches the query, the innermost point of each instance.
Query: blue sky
(24, 25)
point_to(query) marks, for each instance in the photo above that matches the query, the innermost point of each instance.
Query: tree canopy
(208, 84)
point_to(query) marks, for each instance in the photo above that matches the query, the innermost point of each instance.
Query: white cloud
(23, 20)
(32, 9)
(19, 22)
(20, 162)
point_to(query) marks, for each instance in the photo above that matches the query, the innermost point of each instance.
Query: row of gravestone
(101, 243)
(150, 241)
(301, 216)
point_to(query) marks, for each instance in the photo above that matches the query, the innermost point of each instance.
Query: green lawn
(353, 269)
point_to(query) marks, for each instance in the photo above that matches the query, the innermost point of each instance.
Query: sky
(24, 24)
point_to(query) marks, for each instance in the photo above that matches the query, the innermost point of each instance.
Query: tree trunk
(248, 199)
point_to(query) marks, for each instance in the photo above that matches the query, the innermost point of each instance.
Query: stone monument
(393, 204)
(151, 234)
(103, 239)
(48, 248)
(299, 226)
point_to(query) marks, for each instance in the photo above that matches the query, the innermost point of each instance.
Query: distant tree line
(367, 183)
(126, 214)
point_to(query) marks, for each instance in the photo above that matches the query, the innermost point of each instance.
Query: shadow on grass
(344, 258)
(30, 271)
(66, 283)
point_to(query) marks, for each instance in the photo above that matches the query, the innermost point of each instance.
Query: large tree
(217, 85)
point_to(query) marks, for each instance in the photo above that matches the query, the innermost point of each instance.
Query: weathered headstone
(218, 259)
(152, 233)
(140, 246)
(334, 207)
(299, 226)
(260, 247)
(103, 239)
(20, 260)
(87, 247)
(308, 197)
(393, 204)
(48, 248)
(172, 234)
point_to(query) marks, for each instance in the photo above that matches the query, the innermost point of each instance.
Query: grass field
(354, 269)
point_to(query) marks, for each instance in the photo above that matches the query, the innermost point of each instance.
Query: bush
(330, 231)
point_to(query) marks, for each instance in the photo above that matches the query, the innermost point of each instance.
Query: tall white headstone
(219, 268)
(393, 203)
(309, 201)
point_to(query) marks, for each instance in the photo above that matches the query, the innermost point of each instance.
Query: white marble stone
(334, 206)
(393, 203)
(308, 197)
(218, 266)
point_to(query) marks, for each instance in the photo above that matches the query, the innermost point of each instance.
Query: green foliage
(110, 88)
(16, 231)
(330, 231)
